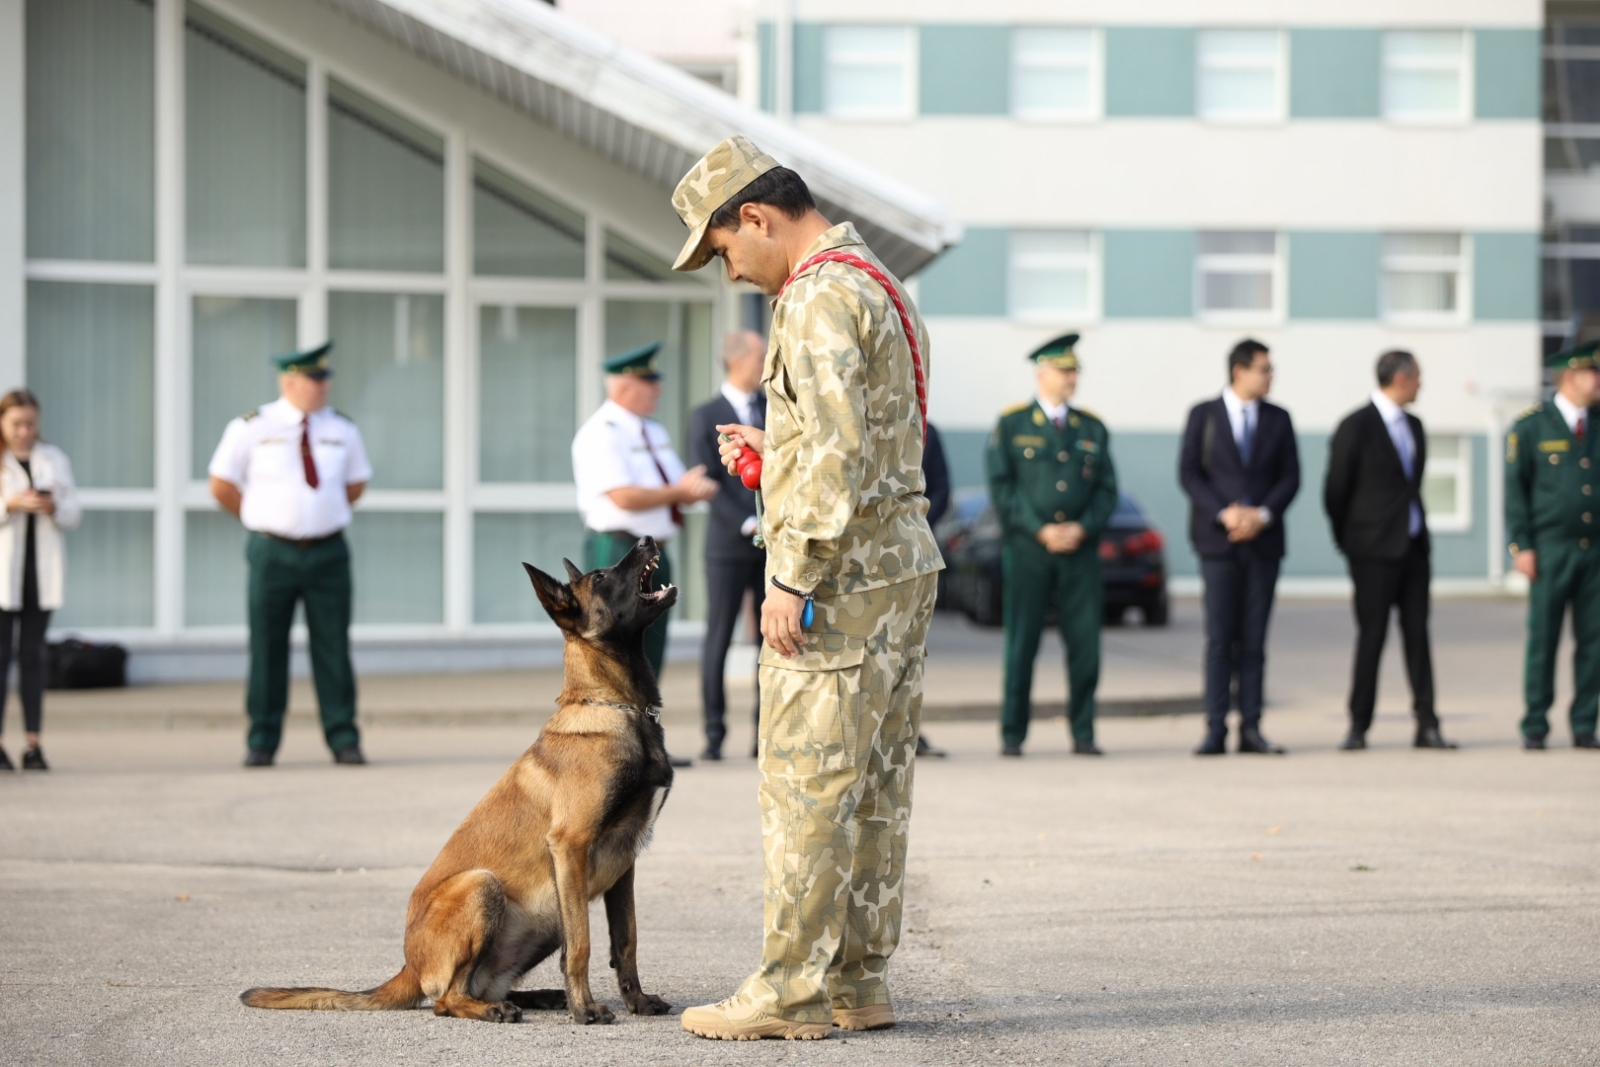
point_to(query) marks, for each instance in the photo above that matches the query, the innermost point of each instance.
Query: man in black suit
(1373, 496)
(734, 566)
(1240, 468)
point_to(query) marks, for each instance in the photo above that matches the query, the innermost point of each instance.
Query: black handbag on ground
(75, 664)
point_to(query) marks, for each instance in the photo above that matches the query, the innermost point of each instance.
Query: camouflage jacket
(842, 473)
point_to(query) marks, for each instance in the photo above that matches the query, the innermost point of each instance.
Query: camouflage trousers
(839, 730)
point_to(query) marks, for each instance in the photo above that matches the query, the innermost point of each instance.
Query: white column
(459, 424)
(313, 326)
(591, 321)
(171, 318)
(783, 62)
(13, 194)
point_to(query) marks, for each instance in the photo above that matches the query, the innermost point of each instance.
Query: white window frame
(1096, 72)
(909, 62)
(1461, 263)
(1279, 65)
(1090, 260)
(1459, 467)
(1465, 65)
(1235, 263)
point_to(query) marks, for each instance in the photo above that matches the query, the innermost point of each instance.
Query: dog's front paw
(648, 1004)
(502, 1012)
(594, 1013)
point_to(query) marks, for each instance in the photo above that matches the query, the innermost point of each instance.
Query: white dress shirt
(1056, 413)
(1399, 427)
(609, 453)
(260, 454)
(1238, 410)
(1572, 413)
(744, 404)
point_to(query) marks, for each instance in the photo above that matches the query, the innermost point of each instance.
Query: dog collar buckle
(650, 711)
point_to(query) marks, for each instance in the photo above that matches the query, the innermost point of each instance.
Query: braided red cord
(837, 256)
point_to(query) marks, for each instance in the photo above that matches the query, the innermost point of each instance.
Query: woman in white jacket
(37, 501)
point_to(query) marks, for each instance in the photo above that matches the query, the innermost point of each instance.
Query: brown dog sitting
(561, 827)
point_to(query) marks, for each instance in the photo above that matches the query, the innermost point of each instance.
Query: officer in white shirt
(290, 470)
(630, 481)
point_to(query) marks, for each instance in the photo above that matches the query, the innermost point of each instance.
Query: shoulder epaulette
(1531, 410)
(252, 413)
(342, 415)
(1089, 414)
(1014, 408)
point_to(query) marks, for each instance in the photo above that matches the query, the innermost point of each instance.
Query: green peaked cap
(1578, 357)
(312, 361)
(638, 363)
(1057, 352)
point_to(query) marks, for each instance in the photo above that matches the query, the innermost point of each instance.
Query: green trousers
(1035, 580)
(1568, 574)
(318, 575)
(604, 550)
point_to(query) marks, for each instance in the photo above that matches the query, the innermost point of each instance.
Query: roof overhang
(644, 114)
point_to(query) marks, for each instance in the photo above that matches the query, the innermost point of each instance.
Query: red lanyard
(837, 256)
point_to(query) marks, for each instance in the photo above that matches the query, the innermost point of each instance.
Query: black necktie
(758, 411)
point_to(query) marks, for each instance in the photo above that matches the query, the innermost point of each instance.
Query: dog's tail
(402, 991)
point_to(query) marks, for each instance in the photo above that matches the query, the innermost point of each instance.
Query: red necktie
(306, 459)
(1061, 424)
(1582, 418)
(677, 516)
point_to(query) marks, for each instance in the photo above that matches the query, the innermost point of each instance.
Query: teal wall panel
(1507, 65)
(1334, 274)
(808, 67)
(1149, 71)
(1149, 273)
(970, 279)
(1505, 276)
(1334, 73)
(1466, 554)
(964, 69)
(963, 453)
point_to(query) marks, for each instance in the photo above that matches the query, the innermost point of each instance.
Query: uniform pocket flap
(823, 652)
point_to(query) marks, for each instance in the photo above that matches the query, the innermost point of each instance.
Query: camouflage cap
(710, 183)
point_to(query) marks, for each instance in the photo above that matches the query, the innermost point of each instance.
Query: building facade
(1334, 179)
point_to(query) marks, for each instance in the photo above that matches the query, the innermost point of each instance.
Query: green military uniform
(1041, 474)
(1553, 507)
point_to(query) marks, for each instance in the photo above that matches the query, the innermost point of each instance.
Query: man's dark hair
(1243, 355)
(779, 188)
(1393, 362)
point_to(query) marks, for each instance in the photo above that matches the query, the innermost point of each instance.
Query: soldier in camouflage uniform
(1054, 489)
(847, 536)
(1552, 486)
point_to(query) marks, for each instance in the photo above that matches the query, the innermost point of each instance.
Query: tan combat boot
(871, 1017)
(736, 1019)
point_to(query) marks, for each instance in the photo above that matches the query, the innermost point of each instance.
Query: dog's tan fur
(561, 827)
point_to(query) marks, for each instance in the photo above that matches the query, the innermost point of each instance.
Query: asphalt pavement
(1384, 907)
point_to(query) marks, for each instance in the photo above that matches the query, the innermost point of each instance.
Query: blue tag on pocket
(809, 615)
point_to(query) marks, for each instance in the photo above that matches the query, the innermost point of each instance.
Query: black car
(1132, 553)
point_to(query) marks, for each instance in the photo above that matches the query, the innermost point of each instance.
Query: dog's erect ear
(556, 598)
(572, 570)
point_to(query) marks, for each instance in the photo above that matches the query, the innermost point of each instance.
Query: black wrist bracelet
(793, 592)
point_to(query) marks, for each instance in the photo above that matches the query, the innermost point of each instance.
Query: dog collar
(650, 710)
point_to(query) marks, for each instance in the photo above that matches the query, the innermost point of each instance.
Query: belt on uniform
(302, 542)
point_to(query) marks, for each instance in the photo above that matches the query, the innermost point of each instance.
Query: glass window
(111, 571)
(501, 543)
(686, 361)
(232, 339)
(1447, 483)
(868, 72)
(517, 231)
(214, 573)
(388, 361)
(527, 393)
(1240, 75)
(245, 156)
(397, 563)
(91, 129)
(1238, 273)
(91, 359)
(385, 188)
(1052, 274)
(1054, 73)
(1422, 275)
(628, 262)
(1425, 76)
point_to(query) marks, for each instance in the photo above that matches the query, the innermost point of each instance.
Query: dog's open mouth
(645, 577)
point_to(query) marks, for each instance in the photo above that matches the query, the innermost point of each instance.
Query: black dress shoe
(925, 749)
(679, 761)
(1010, 750)
(1585, 741)
(1251, 743)
(1085, 748)
(33, 760)
(350, 756)
(258, 757)
(1533, 744)
(1430, 737)
(712, 753)
(1213, 745)
(1353, 742)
